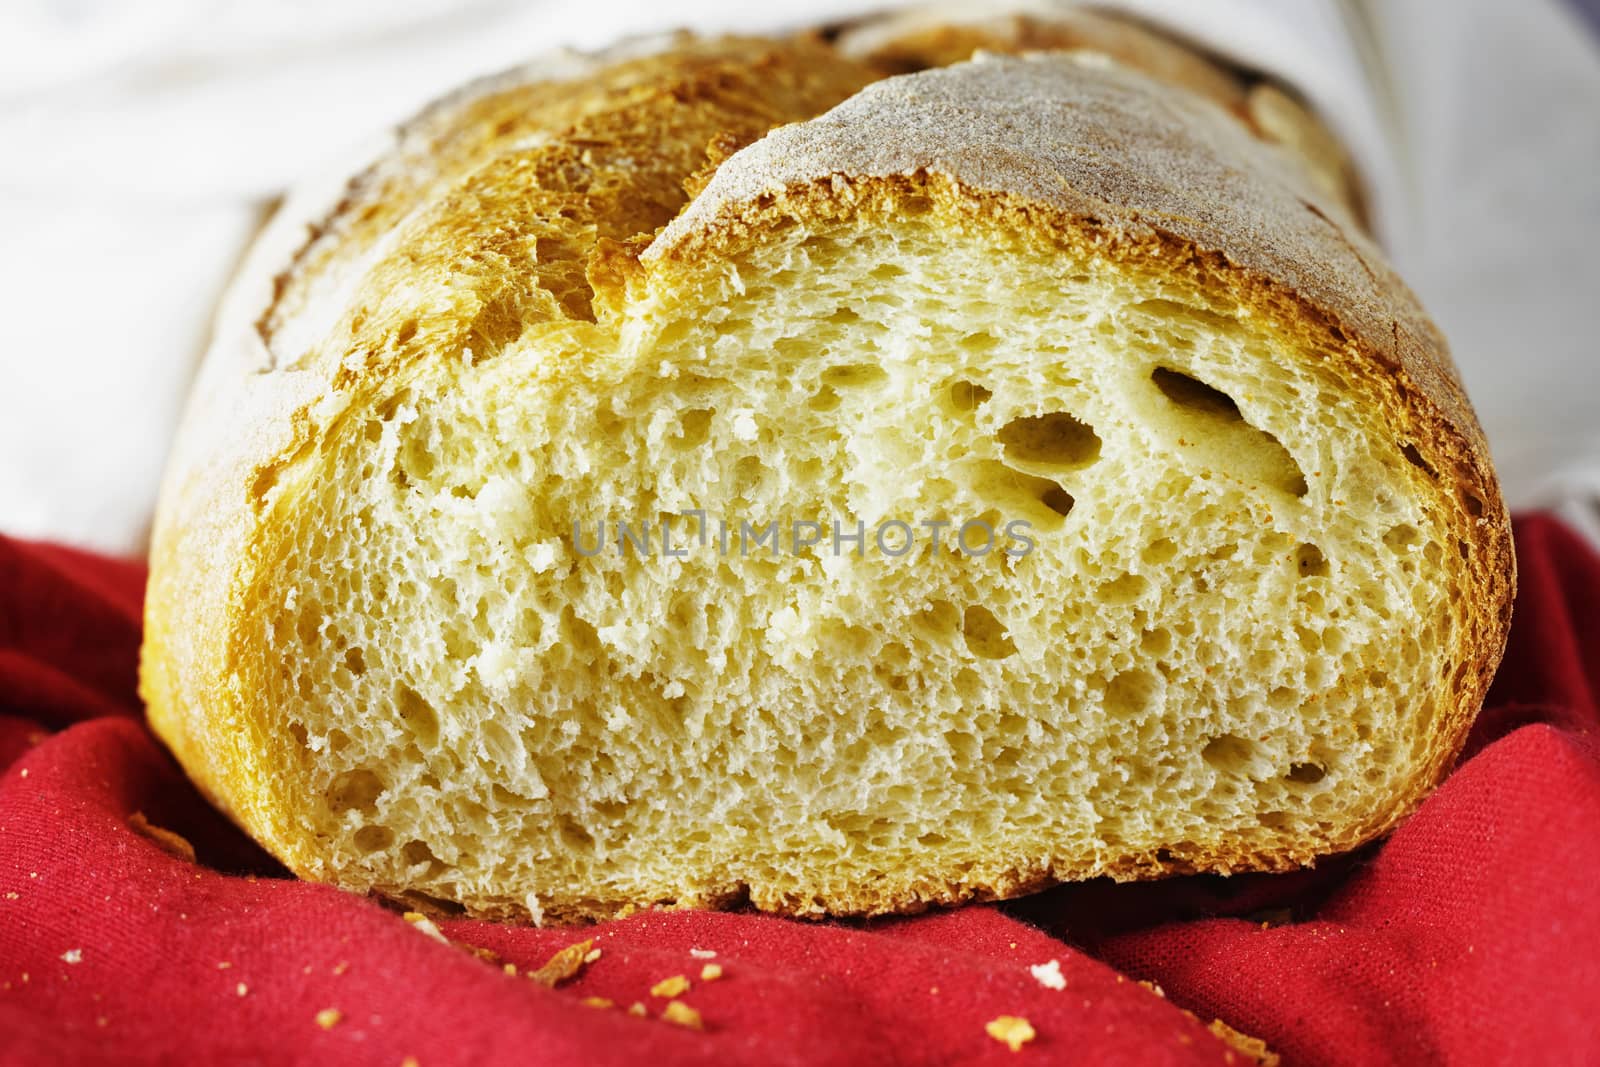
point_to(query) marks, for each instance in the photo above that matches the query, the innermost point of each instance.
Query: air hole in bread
(824, 399)
(1310, 562)
(1401, 537)
(355, 662)
(1306, 773)
(1158, 552)
(415, 461)
(1055, 441)
(748, 476)
(1414, 457)
(1058, 500)
(694, 426)
(1212, 425)
(1133, 693)
(308, 627)
(1473, 502)
(1195, 395)
(1231, 754)
(968, 396)
(1124, 590)
(1157, 642)
(1018, 495)
(374, 838)
(418, 854)
(986, 636)
(406, 332)
(573, 835)
(854, 376)
(418, 715)
(939, 619)
(355, 790)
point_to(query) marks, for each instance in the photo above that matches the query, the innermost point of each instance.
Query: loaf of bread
(720, 471)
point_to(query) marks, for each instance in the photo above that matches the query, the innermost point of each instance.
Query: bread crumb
(410, 1061)
(596, 1002)
(636, 1009)
(592, 955)
(510, 968)
(224, 965)
(711, 972)
(72, 955)
(241, 989)
(12, 896)
(563, 965)
(1243, 1043)
(675, 986)
(167, 841)
(1157, 990)
(328, 1018)
(1049, 974)
(425, 925)
(1013, 1031)
(680, 1014)
(703, 953)
(341, 967)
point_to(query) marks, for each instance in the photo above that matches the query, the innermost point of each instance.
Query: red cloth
(1472, 935)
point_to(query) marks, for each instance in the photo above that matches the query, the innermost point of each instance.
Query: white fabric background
(143, 140)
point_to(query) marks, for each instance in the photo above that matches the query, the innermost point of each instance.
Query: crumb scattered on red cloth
(1471, 936)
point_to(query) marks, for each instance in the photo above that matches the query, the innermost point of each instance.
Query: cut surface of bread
(1018, 473)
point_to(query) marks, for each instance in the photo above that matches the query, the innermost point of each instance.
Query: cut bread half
(1018, 473)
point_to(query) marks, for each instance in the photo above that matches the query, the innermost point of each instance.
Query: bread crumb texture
(173, 844)
(680, 1014)
(675, 986)
(1049, 975)
(1267, 569)
(1252, 1047)
(564, 965)
(1011, 1031)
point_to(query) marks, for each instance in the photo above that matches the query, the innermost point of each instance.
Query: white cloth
(144, 139)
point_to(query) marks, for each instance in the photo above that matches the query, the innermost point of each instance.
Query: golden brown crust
(921, 38)
(914, 39)
(544, 163)
(551, 213)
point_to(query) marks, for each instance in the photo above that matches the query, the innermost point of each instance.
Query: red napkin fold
(1471, 936)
